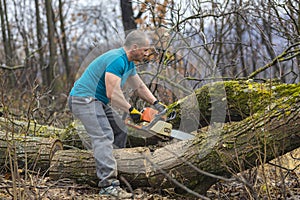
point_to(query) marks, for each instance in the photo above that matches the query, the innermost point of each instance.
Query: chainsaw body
(157, 124)
(153, 121)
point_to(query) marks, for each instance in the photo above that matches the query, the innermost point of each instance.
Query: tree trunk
(127, 16)
(6, 39)
(64, 48)
(226, 101)
(39, 35)
(221, 151)
(68, 136)
(34, 152)
(48, 74)
(219, 102)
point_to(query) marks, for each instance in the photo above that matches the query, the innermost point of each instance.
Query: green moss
(240, 99)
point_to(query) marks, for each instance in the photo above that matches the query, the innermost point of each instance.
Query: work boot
(115, 191)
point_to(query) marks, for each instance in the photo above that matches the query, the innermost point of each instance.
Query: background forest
(46, 44)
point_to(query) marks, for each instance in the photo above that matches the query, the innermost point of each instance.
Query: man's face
(141, 53)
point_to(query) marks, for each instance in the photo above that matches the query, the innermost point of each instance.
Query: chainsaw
(157, 123)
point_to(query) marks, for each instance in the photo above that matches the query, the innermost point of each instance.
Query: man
(101, 86)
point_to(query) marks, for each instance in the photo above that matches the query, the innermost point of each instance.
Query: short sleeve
(116, 67)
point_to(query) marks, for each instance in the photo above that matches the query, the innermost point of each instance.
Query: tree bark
(226, 101)
(68, 136)
(34, 152)
(39, 38)
(48, 74)
(221, 151)
(7, 40)
(64, 48)
(127, 16)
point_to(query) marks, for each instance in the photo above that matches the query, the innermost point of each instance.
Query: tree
(6, 39)
(39, 35)
(64, 48)
(48, 74)
(127, 15)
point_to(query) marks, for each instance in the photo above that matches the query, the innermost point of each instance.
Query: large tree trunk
(226, 102)
(223, 151)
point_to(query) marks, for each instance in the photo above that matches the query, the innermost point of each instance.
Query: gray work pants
(106, 131)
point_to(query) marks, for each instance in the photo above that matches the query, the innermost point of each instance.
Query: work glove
(159, 106)
(135, 115)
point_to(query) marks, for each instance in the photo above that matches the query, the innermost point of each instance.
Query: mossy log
(227, 101)
(33, 152)
(68, 136)
(222, 150)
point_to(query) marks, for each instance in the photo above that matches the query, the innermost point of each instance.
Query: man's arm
(142, 90)
(115, 93)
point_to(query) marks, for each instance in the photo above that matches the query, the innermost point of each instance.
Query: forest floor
(266, 182)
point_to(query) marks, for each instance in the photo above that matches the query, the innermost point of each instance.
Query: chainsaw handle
(156, 119)
(162, 113)
(171, 116)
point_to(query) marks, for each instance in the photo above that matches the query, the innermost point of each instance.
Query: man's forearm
(146, 94)
(118, 100)
(114, 92)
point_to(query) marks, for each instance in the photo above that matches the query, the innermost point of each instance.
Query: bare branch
(163, 78)
(12, 67)
(284, 56)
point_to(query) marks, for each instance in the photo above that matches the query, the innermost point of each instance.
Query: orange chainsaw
(157, 124)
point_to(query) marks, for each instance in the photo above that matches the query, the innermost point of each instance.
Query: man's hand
(135, 115)
(159, 106)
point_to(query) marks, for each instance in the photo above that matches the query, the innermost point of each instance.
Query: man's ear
(134, 47)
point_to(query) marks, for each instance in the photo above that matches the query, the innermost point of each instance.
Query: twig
(175, 181)
(12, 67)
(168, 81)
(280, 58)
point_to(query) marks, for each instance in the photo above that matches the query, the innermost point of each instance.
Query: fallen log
(66, 162)
(226, 101)
(68, 136)
(196, 164)
(33, 152)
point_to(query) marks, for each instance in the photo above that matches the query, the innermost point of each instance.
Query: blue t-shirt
(92, 81)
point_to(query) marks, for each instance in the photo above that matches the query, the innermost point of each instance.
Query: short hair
(137, 37)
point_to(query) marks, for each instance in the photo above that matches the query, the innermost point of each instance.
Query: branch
(163, 78)
(284, 56)
(11, 67)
